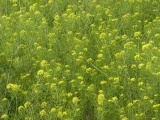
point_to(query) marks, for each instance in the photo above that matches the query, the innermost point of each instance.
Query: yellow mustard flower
(40, 72)
(101, 99)
(75, 100)
(42, 112)
(4, 116)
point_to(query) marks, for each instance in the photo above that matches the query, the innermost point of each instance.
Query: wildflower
(58, 68)
(22, 33)
(116, 79)
(156, 106)
(69, 94)
(43, 104)
(137, 34)
(4, 99)
(37, 13)
(27, 104)
(146, 47)
(85, 49)
(28, 118)
(46, 75)
(102, 36)
(75, 100)
(53, 86)
(133, 66)
(43, 63)
(103, 82)
(120, 54)
(148, 66)
(39, 47)
(137, 57)
(145, 97)
(56, 17)
(130, 105)
(80, 77)
(92, 25)
(88, 70)
(13, 87)
(154, 58)
(133, 79)
(100, 56)
(61, 82)
(65, 113)
(140, 83)
(107, 11)
(4, 116)
(60, 114)
(140, 65)
(135, 101)
(14, 1)
(50, 1)
(40, 72)
(89, 60)
(114, 99)
(98, 7)
(101, 99)
(124, 118)
(124, 36)
(67, 71)
(32, 8)
(91, 87)
(42, 113)
(105, 67)
(53, 110)
(20, 108)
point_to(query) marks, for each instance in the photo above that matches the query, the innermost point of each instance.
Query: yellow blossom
(103, 82)
(13, 87)
(53, 86)
(145, 97)
(102, 36)
(124, 118)
(80, 77)
(114, 99)
(27, 104)
(20, 108)
(89, 60)
(88, 70)
(40, 72)
(4, 116)
(53, 110)
(69, 94)
(60, 114)
(43, 63)
(75, 100)
(101, 99)
(42, 113)
(43, 104)
(130, 105)
(4, 99)
(100, 56)
(156, 106)
(137, 57)
(146, 47)
(137, 34)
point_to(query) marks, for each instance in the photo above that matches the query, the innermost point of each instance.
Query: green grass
(79, 60)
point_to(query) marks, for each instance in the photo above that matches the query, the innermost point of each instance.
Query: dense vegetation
(80, 59)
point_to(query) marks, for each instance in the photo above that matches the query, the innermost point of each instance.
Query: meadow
(79, 60)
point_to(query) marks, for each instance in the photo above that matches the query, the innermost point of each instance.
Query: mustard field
(80, 60)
